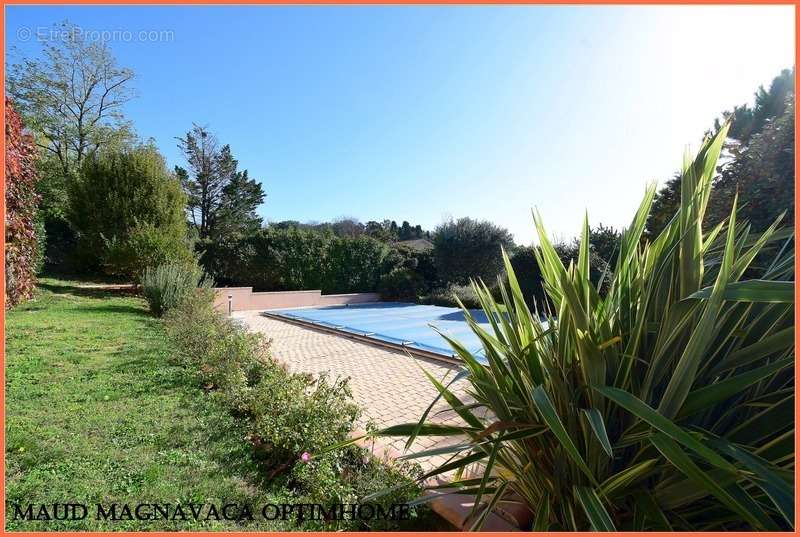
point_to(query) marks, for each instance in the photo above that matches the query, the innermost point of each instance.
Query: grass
(96, 412)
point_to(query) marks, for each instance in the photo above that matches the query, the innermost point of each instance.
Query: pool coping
(452, 359)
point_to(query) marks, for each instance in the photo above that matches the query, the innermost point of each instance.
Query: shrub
(165, 286)
(467, 248)
(125, 204)
(523, 261)
(225, 358)
(229, 259)
(287, 414)
(288, 259)
(354, 264)
(418, 260)
(401, 284)
(352, 476)
(294, 414)
(21, 250)
(450, 296)
(146, 246)
(284, 260)
(666, 404)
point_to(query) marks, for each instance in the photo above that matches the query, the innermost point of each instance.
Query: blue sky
(424, 113)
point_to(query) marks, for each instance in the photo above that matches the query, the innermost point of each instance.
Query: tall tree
(762, 173)
(221, 199)
(72, 97)
(760, 149)
(405, 232)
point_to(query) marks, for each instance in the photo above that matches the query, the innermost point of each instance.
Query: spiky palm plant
(665, 404)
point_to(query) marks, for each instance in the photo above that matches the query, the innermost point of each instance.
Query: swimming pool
(397, 323)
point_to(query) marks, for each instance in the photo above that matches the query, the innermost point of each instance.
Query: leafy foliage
(401, 284)
(166, 286)
(278, 259)
(289, 417)
(467, 248)
(283, 259)
(221, 199)
(146, 246)
(762, 173)
(452, 296)
(354, 265)
(22, 251)
(224, 357)
(667, 404)
(760, 167)
(293, 414)
(128, 211)
(72, 97)
(385, 231)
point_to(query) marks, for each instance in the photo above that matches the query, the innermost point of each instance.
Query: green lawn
(96, 412)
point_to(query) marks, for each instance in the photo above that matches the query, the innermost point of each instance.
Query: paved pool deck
(391, 388)
(389, 385)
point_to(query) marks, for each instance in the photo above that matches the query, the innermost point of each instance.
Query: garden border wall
(243, 298)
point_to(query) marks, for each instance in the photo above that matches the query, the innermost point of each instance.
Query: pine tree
(221, 199)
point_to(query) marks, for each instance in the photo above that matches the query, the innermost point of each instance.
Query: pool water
(399, 323)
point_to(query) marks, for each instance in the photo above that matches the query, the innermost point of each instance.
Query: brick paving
(389, 385)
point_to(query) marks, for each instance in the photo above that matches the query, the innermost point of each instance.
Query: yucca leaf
(752, 506)
(413, 435)
(594, 510)
(454, 402)
(688, 364)
(766, 422)
(427, 429)
(487, 471)
(454, 465)
(550, 417)
(768, 345)
(680, 460)
(497, 497)
(445, 450)
(652, 512)
(768, 291)
(541, 521)
(712, 394)
(663, 424)
(625, 478)
(595, 420)
(765, 478)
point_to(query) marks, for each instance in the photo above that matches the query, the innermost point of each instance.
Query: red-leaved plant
(21, 203)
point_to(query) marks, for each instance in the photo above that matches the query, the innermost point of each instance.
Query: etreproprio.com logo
(76, 33)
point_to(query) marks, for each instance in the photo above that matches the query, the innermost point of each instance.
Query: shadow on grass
(112, 291)
(118, 308)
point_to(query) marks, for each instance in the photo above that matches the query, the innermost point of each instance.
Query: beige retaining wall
(243, 298)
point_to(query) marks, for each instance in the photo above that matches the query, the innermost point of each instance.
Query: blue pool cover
(399, 323)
